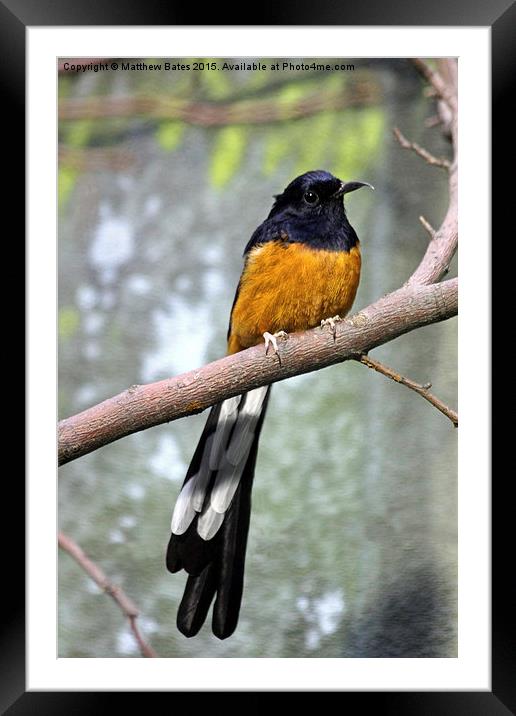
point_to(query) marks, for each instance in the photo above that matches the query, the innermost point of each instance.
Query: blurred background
(163, 177)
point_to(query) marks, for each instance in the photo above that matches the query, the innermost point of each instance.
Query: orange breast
(291, 287)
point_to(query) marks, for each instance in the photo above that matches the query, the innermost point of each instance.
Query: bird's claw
(270, 340)
(331, 323)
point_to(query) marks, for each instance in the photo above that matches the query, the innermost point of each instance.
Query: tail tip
(187, 627)
(223, 629)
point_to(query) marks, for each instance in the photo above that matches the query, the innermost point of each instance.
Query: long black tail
(211, 517)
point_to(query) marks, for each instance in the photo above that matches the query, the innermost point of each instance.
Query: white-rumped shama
(302, 265)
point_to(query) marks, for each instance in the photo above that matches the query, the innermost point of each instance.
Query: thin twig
(95, 572)
(433, 121)
(421, 151)
(437, 82)
(422, 390)
(428, 227)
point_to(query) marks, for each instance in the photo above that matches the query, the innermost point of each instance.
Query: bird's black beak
(346, 187)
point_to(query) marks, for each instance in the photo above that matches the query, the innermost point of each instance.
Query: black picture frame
(15, 17)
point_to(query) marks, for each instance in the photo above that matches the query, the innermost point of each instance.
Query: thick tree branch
(95, 572)
(422, 390)
(143, 406)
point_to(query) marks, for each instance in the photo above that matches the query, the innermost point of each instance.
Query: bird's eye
(311, 198)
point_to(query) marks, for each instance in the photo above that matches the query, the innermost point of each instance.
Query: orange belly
(291, 288)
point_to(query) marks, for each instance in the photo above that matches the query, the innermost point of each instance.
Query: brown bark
(143, 406)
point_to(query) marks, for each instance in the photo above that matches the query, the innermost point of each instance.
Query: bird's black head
(314, 194)
(310, 211)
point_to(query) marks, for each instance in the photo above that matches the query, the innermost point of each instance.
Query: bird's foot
(270, 340)
(331, 323)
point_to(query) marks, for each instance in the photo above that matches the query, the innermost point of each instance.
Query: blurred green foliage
(169, 134)
(68, 322)
(66, 179)
(79, 132)
(227, 153)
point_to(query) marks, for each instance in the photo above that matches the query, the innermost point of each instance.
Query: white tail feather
(226, 483)
(209, 523)
(241, 443)
(254, 400)
(183, 511)
(227, 416)
(228, 457)
(233, 463)
(246, 424)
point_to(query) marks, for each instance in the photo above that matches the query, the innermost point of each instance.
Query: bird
(301, 270)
